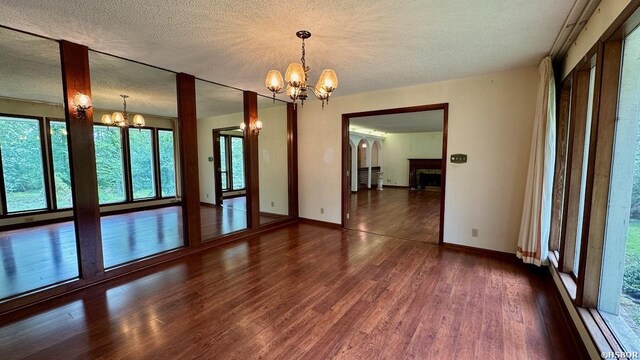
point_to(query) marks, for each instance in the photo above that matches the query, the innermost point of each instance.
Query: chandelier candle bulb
(294, 75)
(138, 121)
(107, 119)
(118, 118)
(328, 81)
(274, 81)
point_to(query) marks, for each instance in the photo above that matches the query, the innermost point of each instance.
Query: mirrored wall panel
(136, 144)
(37, 232)
(221, 160)
(273, 160)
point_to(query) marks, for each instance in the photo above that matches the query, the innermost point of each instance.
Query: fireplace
(425, 174)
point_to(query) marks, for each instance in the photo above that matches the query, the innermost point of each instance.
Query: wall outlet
(474, 232)
(272, 204)
(207, 196)
(321, 210)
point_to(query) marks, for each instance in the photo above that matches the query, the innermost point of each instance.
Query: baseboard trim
(395, 186)
(320, 223)
(493, 253)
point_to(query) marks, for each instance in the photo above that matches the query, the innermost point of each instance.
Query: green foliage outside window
(109, 165)
(22, 164)
(61, 171)
(142, 169)
(167, 163)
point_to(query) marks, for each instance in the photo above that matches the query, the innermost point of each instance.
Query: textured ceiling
(423, 121)
(371, 44)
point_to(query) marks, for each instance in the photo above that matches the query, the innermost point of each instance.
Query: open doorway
(394, 172)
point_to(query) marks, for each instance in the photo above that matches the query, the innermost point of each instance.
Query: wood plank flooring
(398, 212)
(304, 291)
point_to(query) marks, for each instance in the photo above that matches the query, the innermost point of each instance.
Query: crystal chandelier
(297, 76)
(121, 119)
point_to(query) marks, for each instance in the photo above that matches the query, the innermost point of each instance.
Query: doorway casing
(346, 176)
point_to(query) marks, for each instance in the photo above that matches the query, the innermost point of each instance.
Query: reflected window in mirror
(38, 247)
(135, 112)
(221, 160)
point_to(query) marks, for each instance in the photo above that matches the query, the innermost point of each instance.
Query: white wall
(490, 119)
(272, 159)
(606, 12)
(400, 147)
(205, 150)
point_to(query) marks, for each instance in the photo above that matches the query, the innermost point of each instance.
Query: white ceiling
(423, 121)
(371, 44)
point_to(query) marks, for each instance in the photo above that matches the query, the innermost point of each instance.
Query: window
(22, 164)
(141, 162)
(583, 172)
(224, 172)
(109, 164)
(61, 171)
(167, 159)
(237, 162)
(576, 169)
(232, 162)
(619, 300)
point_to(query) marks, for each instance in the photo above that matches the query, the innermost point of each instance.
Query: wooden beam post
(187, 132)
(82, 160)
(250, 100)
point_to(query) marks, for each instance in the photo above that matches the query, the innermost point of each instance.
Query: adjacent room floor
(398, 212)
(305, 291)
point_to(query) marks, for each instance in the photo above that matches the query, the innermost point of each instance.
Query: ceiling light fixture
(121, 119)
(297, 76)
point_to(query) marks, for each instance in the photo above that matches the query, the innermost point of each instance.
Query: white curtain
(533, 241)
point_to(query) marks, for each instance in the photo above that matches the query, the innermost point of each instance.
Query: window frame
(44, 150)
(584, 290)
(229, 163)
(155, 152)
(44, 127)
(157, 163)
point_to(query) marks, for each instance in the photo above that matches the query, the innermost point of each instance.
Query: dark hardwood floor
(398, 212)
(304, 291)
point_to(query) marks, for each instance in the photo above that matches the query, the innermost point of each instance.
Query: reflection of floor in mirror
(42, 255)
(225, 219)
(240, 204)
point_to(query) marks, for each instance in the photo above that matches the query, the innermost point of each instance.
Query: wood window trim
(560, 172)
(609, 57)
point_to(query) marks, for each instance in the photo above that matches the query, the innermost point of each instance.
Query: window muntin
(109, 164)
(22, 164)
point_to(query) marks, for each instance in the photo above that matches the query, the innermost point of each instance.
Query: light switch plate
(459, 158)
